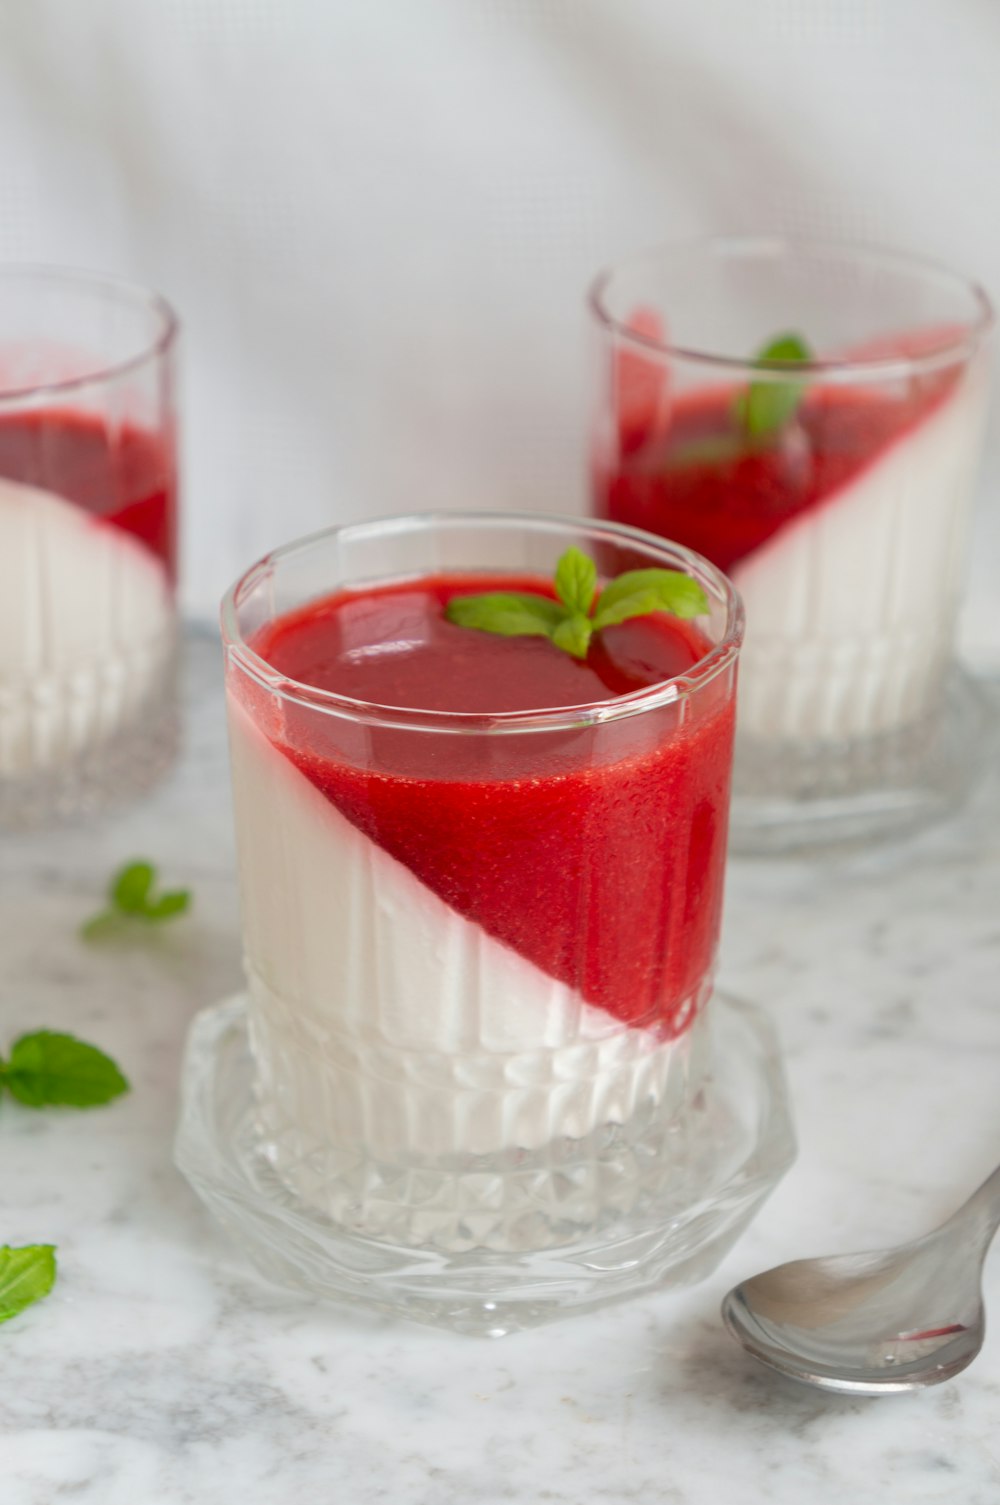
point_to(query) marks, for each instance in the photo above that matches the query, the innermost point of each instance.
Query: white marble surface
(160, 1373)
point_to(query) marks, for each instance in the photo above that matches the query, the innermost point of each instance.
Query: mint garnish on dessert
(26, 1275)
(766, 406)
(47, 1069)
(582, 608)
(130, 898)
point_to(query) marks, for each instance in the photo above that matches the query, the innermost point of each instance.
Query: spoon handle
(982, 1210)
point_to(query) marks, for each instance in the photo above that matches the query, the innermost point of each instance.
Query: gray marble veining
(161, 1373)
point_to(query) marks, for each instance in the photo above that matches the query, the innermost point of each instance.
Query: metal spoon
(868, 1324)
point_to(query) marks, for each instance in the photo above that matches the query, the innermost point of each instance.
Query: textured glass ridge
(489, 1245)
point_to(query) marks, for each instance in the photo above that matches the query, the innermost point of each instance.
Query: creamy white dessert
(382, 1019)
(850, 606)
(86, 630)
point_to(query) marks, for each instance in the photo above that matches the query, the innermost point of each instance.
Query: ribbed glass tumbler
(809, 416)
(479, 1076)
(88, 524)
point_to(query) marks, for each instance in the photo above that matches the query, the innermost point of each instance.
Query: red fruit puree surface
(686, 471)
(595, 852)
(125, 475)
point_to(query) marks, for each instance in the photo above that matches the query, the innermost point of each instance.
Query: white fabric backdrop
(377, 217)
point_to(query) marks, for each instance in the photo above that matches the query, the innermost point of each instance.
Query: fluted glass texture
(88, 542)
(544, 979)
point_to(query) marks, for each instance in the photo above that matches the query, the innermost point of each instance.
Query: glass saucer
(683, 1193)
(814, 798)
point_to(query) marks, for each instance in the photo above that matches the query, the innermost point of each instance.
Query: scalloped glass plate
(487, 1247)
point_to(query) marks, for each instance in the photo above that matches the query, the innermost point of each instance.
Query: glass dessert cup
(88, 497)
(835, 490)
(479, 1077)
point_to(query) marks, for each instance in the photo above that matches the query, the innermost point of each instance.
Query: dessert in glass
(477, 1076)
(88, 498)
(810, 417)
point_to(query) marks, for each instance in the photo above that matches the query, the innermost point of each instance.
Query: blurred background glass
(833, 484)
(88, 542)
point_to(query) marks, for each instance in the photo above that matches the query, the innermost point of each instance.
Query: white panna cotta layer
(850, 608)
(86, 629)
(383, 1021)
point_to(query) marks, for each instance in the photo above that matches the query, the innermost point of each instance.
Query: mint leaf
(638, 592)
(168, 905)
(26, 1275)
(49, 1069)
(571, 622)
(130, 887)
(512, 614)
(766, 406)
(576, 581)
(131, 898)
(573, 635)
(101, 927)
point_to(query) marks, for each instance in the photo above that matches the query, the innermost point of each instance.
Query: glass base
(117, 769)
(666, 1201)
(802, 798)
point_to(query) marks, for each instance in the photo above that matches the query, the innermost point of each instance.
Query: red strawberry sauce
(596, 852)
(685, 469)
(123, 475)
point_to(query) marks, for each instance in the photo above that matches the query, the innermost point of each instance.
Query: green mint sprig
(47, 1069)
(766, 406)
(26, 1275)
(130, 899)
(582, 608)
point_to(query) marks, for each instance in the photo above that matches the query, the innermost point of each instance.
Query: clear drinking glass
(88, 528)
(834, 490)
(482, 1082)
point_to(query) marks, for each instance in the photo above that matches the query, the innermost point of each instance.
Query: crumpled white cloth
(378, 217)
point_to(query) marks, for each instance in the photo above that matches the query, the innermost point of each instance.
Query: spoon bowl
(877, 1323)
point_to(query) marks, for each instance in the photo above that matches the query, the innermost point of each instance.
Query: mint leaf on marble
(766, 406)
(26, 1275)
(167, 905)
(131, 898)
(48, 1069)
(582, 609)
(130, 887)
(102, 927)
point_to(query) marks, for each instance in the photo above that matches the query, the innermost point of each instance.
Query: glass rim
(807, 248)
(121, 288)
(671, 691)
